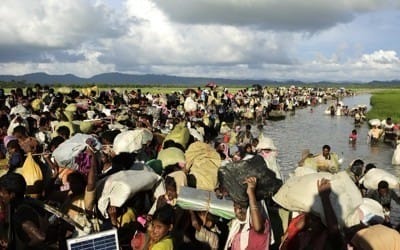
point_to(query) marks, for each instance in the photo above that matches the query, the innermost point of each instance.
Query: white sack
(396, 156)
(66, 152)
(371, 210)
(374, 122)
(372, 178)
(301, 171)
(128, 141)
(190, 105)
(301, 194)
(121, 186)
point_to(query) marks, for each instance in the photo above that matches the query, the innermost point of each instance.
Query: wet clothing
(385, 199)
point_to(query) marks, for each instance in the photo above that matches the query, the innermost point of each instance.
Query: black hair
(56, 141)
(20, 129)
(358, 162)
(171, 168)
(110, 135)
(4, 123)
(191, 181)
(13, 183)
(383, 185)
(165, 215)
(170, 181)
(63, 131)
(123, 160)
(171, 143)
(77, 183)
(43, 121)
(13, 144)
(368, 167)
(326, 147)
(357, 167)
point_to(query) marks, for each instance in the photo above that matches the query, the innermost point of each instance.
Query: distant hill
(124, 79)
(152, 79)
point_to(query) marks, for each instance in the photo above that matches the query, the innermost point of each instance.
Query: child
(16, 155)
(158, 236)
(169, 197)
(353, 136)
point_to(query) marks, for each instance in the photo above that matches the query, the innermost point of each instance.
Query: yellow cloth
(165, 244)
(180, 134)
(232, 139)
(36, 104)
(328, 165)
(72, 128)
(203, 161)
(171, 156)
(33, 176)
(128, 216)
(86, 127)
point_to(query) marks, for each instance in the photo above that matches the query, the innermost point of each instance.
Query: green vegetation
(385, 104)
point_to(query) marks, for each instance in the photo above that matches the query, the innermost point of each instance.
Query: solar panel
(106, 240)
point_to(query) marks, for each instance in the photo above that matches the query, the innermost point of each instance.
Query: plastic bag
(67, 151)
(232, 175)
(33, 175)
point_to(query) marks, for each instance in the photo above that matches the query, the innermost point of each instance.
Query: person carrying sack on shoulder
(251, 228)
(327, 161)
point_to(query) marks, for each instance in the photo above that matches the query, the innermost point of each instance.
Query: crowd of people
(76, 162)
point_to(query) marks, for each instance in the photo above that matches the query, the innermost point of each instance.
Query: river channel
(310, 128)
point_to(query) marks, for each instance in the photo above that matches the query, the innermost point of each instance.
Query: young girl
(168, 198)
(158, 232)
(160, 229)
(353, 136)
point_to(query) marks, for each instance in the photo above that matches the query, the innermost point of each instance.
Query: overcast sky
(309, 40)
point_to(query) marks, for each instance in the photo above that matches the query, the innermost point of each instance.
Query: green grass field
(385, 104)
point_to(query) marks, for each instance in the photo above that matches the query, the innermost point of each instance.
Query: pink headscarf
(7, 139)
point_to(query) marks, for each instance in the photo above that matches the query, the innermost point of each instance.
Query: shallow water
(312, 129)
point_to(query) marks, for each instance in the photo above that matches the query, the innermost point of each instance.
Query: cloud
(33, 30)
(260, 39)
(380, 57)
(155, 40)
(86, 67)
(289, 15)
